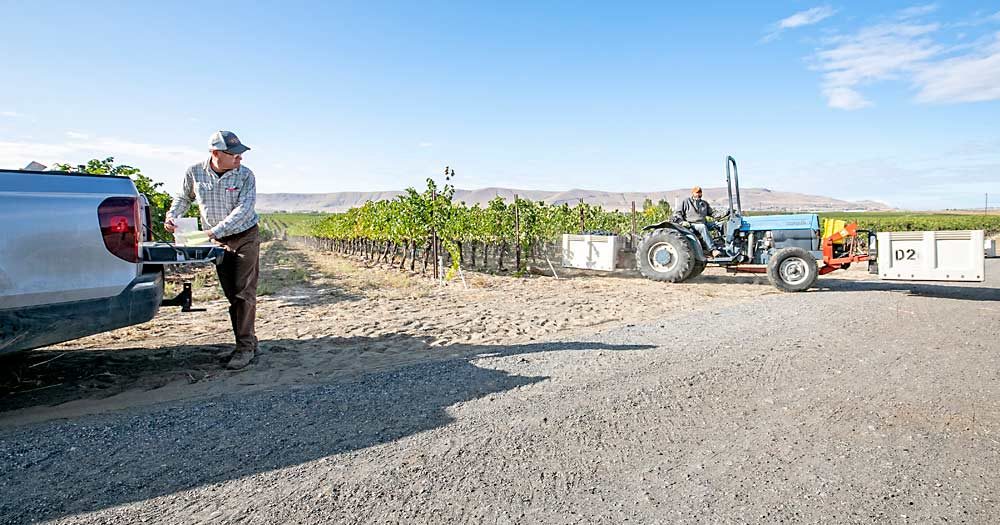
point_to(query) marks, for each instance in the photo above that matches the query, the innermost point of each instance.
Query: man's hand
(686, 224)
(169, 225)
(211, 236)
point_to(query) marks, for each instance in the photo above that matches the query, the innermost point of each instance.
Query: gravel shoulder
(859, 402)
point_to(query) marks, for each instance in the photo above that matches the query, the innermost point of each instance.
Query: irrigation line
(48, 361)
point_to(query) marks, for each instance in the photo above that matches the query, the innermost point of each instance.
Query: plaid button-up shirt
(226, 201)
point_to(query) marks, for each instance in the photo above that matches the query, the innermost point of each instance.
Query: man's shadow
(60, 468)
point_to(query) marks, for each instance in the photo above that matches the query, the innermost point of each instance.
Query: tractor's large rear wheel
(699, 266)
(792, 270)
(665, 255)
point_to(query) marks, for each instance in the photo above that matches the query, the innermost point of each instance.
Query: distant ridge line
(754, 199)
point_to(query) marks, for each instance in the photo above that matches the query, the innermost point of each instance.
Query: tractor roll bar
(733, 180)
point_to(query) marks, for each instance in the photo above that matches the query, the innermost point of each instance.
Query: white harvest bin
(954, 255)
(590, 252)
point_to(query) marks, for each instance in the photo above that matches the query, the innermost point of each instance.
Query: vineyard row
(404, 230)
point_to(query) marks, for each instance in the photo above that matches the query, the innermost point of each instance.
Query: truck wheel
(792, 270)
(665, 255)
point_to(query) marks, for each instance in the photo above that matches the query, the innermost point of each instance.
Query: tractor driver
(692, 214)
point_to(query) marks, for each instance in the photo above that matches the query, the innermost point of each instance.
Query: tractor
(788, 248)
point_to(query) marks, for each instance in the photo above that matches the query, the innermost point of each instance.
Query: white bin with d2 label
(954, 255)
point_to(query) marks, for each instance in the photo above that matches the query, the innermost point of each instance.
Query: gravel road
(859, 402)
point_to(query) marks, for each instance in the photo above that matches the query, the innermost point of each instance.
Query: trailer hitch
(183, 299)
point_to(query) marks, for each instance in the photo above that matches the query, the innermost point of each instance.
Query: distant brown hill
(754, 199)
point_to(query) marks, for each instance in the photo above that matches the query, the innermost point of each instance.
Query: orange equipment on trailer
(843, 247)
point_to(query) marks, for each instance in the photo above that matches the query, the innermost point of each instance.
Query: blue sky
(898, 102)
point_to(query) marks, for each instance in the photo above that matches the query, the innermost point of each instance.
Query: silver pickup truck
(77, 258)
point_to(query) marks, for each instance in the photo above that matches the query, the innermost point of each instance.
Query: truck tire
(665, 255)
(792, 270)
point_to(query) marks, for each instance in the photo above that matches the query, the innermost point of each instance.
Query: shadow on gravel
(970, 292)
(52, 377)
(731, 278)
(61, 468)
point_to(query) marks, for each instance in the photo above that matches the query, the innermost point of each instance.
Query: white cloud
(916, 11)
(800, 19)
(873, 54)
(14, 154)
(845, 98)
(909, 51)
(77, 135)
(10, 114)
(426, 144)
(140, 149)
(973, 78)
(807, 17)
(952, 176)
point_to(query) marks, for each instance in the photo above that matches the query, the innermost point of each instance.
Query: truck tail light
(119, 220)
(119, 224)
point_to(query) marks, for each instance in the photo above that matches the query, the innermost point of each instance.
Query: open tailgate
(164, 254)
(170, 254)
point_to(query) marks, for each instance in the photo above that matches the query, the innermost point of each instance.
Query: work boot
(224, 358)
(241, 359)
(716, 252)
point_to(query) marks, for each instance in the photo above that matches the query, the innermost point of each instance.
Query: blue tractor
(786, 247)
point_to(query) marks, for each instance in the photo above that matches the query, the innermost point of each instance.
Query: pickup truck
(77, 258)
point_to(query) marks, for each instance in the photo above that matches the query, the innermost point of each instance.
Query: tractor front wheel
(666, 255)
(792, 270)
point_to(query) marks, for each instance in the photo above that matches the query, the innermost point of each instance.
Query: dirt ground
(322, 316)
(382, 398)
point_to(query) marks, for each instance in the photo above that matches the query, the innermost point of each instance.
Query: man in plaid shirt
(226, 192)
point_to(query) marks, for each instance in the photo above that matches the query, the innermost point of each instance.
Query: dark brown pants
(238, 274)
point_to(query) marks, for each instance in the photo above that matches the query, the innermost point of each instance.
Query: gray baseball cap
(226, 141)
